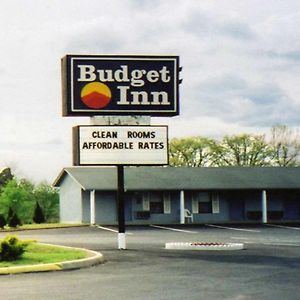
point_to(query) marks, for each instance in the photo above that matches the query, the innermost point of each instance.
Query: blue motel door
(236, 209)
(128, 209)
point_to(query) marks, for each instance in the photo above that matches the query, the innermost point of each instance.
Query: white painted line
(272, 243)
(281, 226)
(240, 238)
(231, 228)
(109, 229)
(173, 229)
(276, 242)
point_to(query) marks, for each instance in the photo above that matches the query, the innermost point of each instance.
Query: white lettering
(141, 98)
(121, 75)
(136, 76)
(160, 98)
(165, 77)
(87, 73)
(152, 76)
(107, 78)
(137, 96)
(123, 95)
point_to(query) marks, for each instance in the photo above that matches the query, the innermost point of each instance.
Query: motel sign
(120, 85)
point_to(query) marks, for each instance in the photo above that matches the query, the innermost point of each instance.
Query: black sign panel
(120, 85)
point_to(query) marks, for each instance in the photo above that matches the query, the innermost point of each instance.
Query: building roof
(184, 178)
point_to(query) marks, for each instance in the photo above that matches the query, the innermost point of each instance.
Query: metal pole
(121, 211)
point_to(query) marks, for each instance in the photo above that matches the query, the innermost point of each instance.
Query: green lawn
(42, 226)
(43, 254)
(49, 225)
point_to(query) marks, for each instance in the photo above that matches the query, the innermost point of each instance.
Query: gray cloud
(293, 56)
(201, 24)
(234, 99)
(236, 29)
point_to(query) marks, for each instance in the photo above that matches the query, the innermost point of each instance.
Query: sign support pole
(121, 211)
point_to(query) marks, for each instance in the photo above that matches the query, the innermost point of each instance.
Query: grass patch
(42, 226)
(49, 225)
(43, 254)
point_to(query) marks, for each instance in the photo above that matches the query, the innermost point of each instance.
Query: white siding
(70, 201)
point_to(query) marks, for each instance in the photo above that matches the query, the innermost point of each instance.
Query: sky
(240, 59)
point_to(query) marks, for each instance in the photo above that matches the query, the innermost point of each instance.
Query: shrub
(14, 221)
(48, 199)
(12, 248)
(2, 221)
(38, 216)
(10, 214)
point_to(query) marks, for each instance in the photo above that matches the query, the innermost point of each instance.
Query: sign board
(120, 85)
(120, 145)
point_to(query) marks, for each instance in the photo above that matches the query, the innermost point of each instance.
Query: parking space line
(273, 242)
(111, 230)
(240, 238)
(173, 229)
(231, 228)
(281, 226)
(288, 244)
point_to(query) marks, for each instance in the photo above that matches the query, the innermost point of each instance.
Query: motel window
(205, 207)
(157, 202)
(205, 203)
(156, 207)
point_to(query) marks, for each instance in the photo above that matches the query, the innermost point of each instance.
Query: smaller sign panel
(120, 145)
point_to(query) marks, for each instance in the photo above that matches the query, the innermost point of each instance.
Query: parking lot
(269, 267)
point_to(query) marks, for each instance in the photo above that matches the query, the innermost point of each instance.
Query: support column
(182, 218)
(92, 207)
(264, 207)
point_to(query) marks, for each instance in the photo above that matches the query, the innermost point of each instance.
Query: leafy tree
(243, 150)
(38, 216)
(21, 197)
(283, 149)
(285, 144)
(5, 176)
(17, 196)
(191, 152)
(48, 199)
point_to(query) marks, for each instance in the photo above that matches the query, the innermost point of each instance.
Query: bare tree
(285, 143)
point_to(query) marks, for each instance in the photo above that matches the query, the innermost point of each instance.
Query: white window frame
(167, 202)
(215, 203)
(146, 202)
(195, 203)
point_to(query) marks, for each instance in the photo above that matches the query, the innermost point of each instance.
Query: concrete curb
(93, 259)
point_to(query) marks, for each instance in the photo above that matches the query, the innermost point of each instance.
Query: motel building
(180, 195)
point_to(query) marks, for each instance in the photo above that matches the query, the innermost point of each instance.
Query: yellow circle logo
(96, 95)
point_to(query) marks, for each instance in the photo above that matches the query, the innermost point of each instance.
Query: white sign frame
(127, 145)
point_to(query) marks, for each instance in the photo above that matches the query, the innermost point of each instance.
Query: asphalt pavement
(269, 267)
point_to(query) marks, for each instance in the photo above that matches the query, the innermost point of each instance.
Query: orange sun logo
(96, 95)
